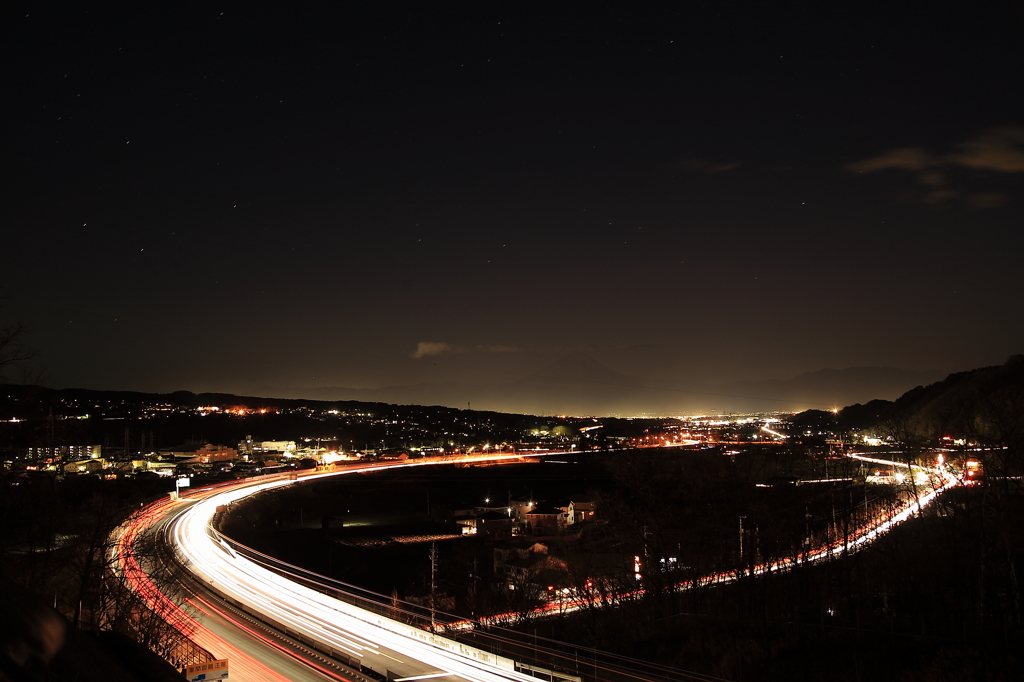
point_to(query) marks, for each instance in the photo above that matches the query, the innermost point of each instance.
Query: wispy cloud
(427, 348)
(905, 158)
(430, 348)
(999, 150)
(498, 349)
(702, 166)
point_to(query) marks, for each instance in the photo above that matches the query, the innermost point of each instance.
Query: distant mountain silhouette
(577, 368)
(984, 404)
(573, 384)
(835, 387)
(448, 394)
(578, 384)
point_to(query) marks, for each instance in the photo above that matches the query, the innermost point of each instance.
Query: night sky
(270, 197)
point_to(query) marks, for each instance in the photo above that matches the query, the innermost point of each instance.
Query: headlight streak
(209, 609)
(359, 632)
(129, 567)
(306, 610)
(250, 667)
(866, 534)
(321, 583)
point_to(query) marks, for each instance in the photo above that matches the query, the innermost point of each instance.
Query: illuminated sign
(211, 670)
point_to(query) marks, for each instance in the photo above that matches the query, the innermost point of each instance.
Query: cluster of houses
(529, 539)
(90, 459)
(518, 518)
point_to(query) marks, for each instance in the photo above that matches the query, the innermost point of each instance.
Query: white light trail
(325, 619)
(774, 433)
(367, 635)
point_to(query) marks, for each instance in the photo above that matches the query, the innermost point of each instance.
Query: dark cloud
(906, 158)
(999, 150)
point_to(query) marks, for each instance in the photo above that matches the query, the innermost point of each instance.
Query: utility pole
(741, 542)
(807, 531)
(832, 497)
(472, 589)
(433, 586)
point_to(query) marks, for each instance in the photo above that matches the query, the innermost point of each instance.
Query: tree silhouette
(15, 354)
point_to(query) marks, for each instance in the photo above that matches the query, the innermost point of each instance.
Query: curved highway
(274, 628)
(236, 586)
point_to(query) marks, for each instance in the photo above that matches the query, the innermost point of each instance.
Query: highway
(868, 531)
(254, 651)
(390, 648)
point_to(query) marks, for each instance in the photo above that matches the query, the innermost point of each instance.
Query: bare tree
(990, 413)
(15, 354)
(63, 544)
(909, 434)
(141, 594)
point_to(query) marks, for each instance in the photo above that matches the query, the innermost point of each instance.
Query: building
(249, 447)
(580, 510)
(67, 452)
(85, 466)
(492, 524)
(520, 563)
(214, 453)
(520, 507)
(545, 520)
(246, 447)
(286, 447)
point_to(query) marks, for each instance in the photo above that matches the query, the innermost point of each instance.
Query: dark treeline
(58, 545)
